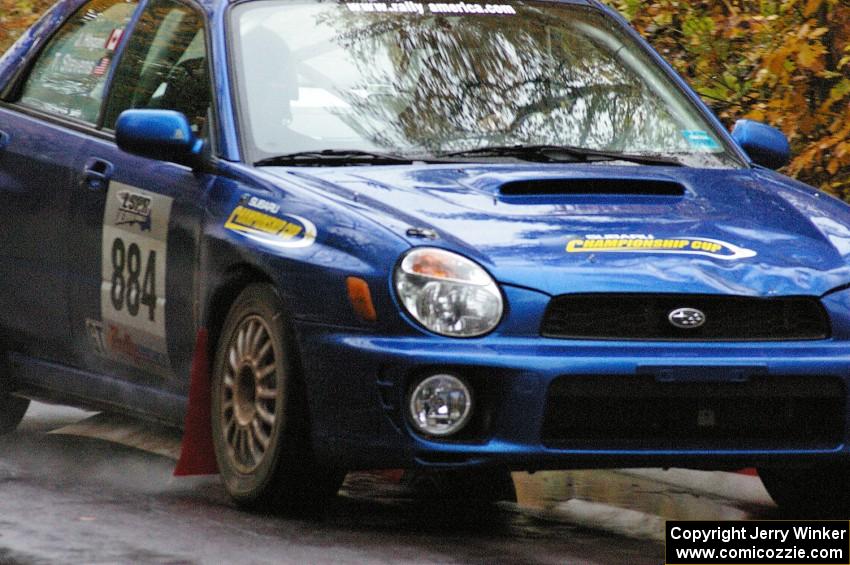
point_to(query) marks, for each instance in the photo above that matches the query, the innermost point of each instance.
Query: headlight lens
(448, 294)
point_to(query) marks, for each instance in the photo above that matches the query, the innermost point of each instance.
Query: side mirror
(766, 145)
(164, 135)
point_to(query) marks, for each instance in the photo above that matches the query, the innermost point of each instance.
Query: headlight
(448, 294)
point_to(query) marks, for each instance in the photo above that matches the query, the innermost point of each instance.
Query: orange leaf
(812, 6)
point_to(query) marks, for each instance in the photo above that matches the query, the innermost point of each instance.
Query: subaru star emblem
(687, 318)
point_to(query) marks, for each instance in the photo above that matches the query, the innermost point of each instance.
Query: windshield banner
(420, 8)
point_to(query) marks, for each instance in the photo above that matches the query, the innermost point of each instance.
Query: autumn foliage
(784, 62)
(16, 16)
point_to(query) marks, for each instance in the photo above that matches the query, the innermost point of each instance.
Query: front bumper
(357, 386)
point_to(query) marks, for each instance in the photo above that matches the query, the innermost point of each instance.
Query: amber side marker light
(361, 299)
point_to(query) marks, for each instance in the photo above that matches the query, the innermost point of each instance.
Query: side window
(69, 76)
(164, 66)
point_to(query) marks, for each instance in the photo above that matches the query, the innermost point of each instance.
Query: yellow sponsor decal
(287, 231)
(650, 244)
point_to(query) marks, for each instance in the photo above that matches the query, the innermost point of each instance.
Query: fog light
(440, 405)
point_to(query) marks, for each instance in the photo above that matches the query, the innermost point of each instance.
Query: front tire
(259, 413)
(12, 410)
(812, 492)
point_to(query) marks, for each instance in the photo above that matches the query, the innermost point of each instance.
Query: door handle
(97, 174)
(5, 138)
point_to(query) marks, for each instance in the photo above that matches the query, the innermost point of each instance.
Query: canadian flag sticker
(114, 39)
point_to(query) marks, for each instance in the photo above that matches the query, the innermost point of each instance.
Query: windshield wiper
(538, 153)
(334, 157)
(558, 153)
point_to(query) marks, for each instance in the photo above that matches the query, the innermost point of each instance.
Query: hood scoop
(588, 187)
(581, 184)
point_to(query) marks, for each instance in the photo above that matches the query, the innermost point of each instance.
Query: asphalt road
(70, 499)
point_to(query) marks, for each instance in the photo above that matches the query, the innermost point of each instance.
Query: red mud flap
(750, 472)
(393, 476)
(197, 454)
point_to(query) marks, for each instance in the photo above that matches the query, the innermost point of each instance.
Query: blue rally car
(458, 237)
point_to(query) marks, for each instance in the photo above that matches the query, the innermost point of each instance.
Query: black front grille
(646, 316)
(642, 413)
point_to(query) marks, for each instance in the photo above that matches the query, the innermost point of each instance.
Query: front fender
(303, 243)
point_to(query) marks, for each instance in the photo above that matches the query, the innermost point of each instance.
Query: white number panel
(132, 291)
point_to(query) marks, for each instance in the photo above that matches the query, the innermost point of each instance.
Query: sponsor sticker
(700, 139)
(261, 221)
(121, 343)
(134, 209)
(265, 205)
(643, 243)
(118, 344)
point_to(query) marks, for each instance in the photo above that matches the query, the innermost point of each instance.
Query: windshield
(425, 79)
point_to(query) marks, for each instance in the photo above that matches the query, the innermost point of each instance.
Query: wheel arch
(236, 279)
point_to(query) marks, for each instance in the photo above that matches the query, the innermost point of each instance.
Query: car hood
(612, 228)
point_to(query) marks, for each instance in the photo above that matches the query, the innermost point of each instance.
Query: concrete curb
(732, 486)
(724, 495)
(612, 519)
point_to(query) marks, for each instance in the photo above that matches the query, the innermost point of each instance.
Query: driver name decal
(642, 243)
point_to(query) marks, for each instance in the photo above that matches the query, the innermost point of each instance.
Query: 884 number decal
(133, 279)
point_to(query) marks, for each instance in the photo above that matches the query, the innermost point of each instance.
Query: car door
(132, 296)
(44, 123)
